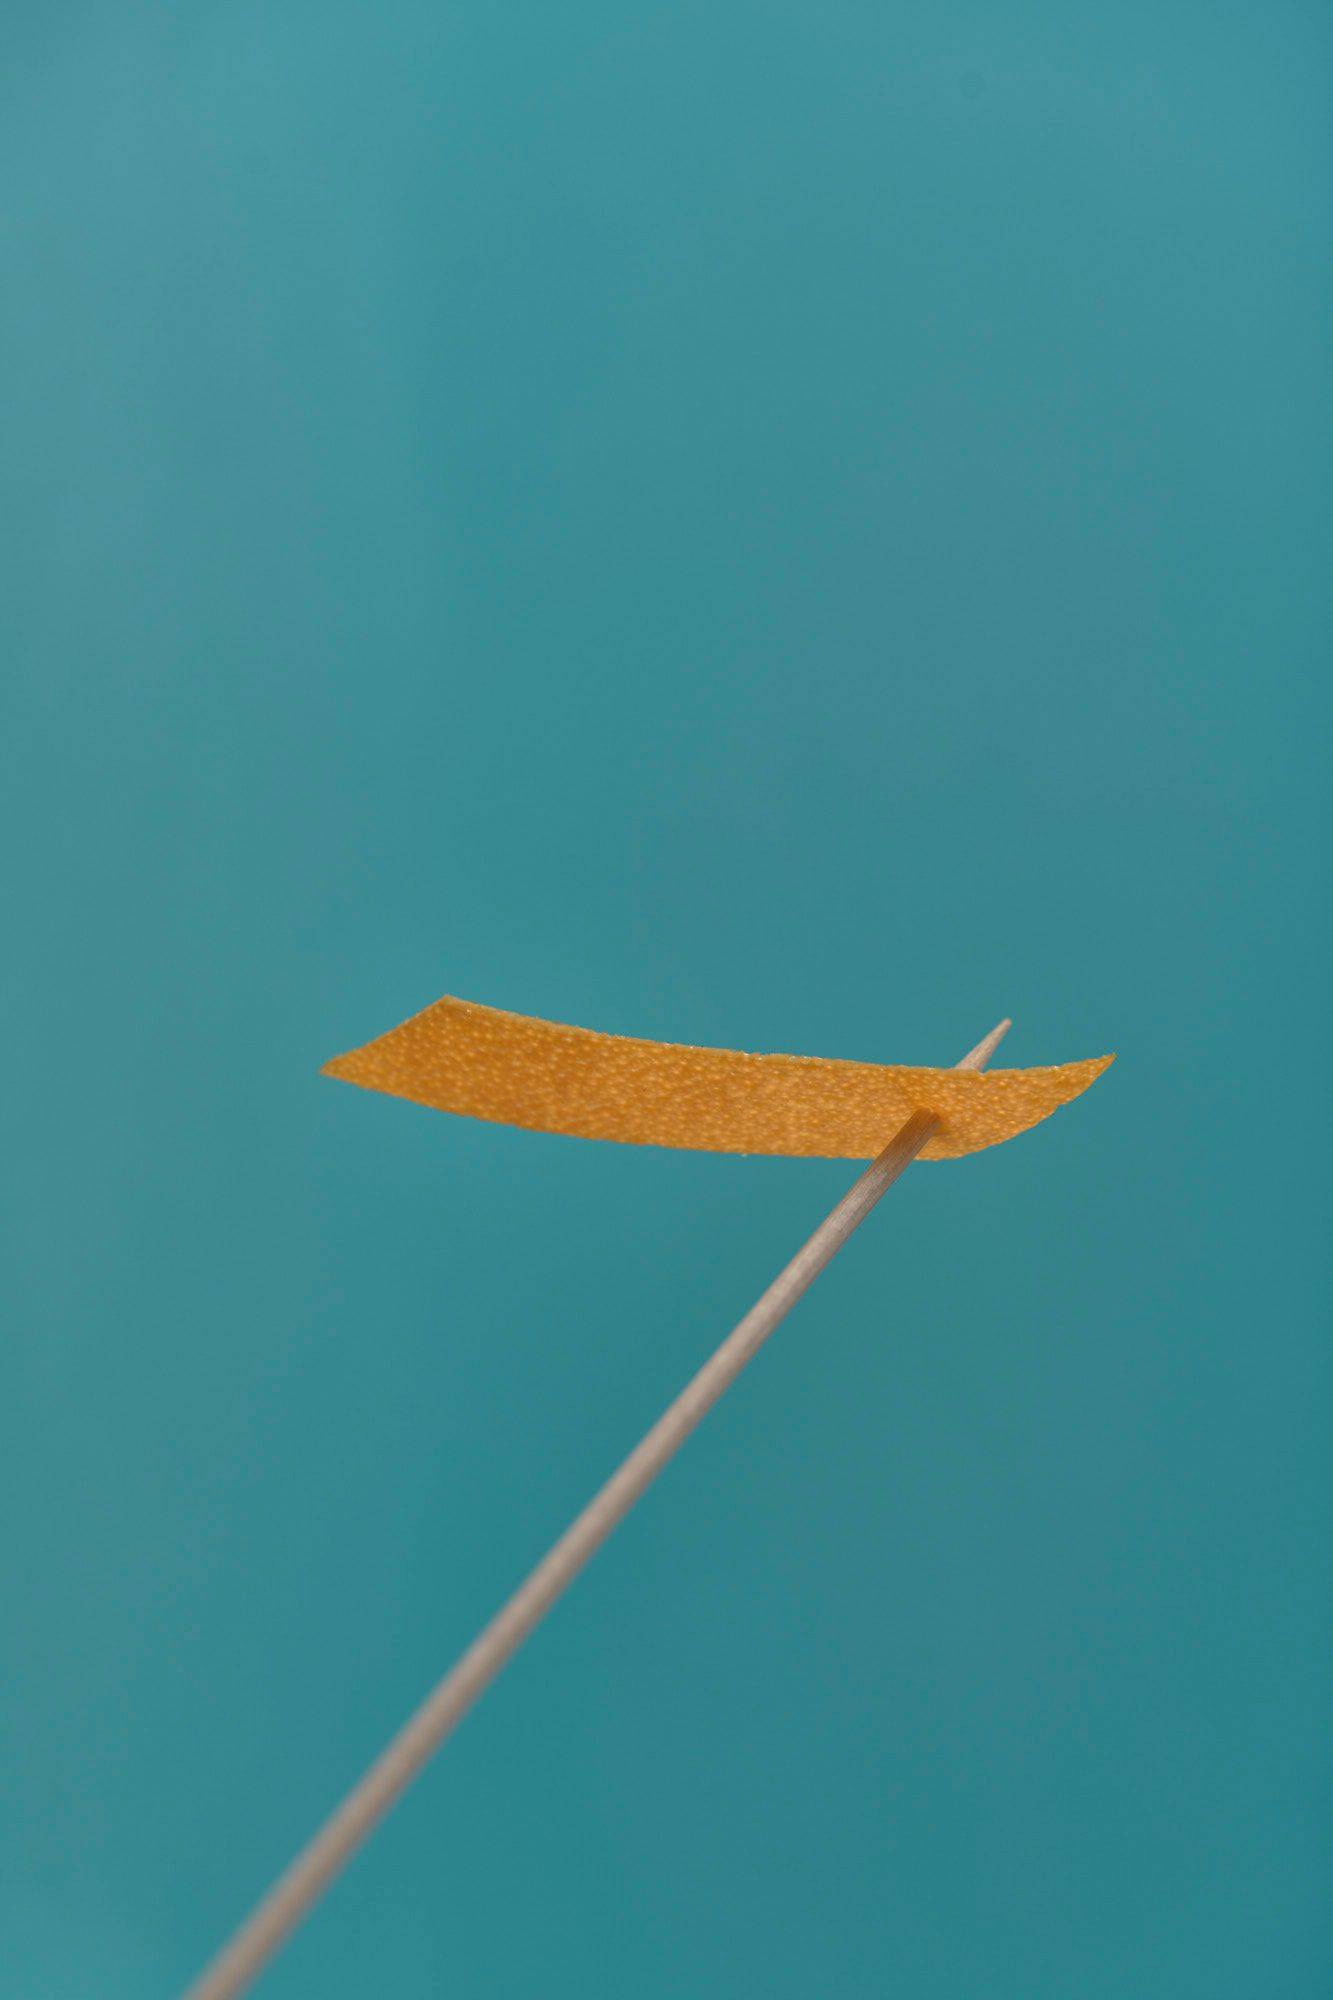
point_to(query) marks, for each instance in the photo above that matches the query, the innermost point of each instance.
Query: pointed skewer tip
(978, 1057)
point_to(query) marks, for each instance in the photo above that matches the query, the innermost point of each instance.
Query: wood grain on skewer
(310, 1874)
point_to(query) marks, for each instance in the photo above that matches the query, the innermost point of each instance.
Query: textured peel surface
(482, 1062)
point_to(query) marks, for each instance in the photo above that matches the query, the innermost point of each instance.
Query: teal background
(776, 525)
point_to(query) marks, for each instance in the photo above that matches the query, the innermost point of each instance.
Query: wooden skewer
(309, 1875)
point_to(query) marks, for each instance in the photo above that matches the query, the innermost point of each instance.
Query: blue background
(771, 525)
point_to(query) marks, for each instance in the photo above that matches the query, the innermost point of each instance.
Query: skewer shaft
(310, 1874)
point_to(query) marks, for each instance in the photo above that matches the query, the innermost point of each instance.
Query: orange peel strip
(482, 1062)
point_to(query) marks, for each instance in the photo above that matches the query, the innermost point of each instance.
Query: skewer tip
(978, 1057)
